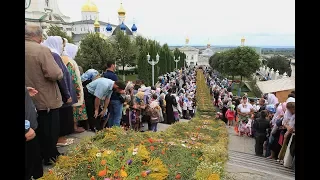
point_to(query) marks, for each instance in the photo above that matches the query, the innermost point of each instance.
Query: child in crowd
(153, 110)
(230, 115)
(190, 107)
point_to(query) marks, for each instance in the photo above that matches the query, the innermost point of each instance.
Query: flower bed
(193, 150)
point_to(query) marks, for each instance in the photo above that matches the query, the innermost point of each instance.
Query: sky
(218, 22)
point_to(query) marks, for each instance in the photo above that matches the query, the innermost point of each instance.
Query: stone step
(265, 165)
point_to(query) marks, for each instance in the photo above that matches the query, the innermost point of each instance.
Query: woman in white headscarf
(79, 108)
(55, 44)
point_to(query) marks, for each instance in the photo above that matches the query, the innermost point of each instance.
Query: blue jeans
(115, 110)
(154, 127)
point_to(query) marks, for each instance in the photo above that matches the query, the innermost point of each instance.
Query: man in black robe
(260, 127)
(170, 100)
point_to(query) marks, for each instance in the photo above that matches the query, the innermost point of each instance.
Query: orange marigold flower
(150, 140)
(102, 173)
(92, 178)
(152, 148)
(144, 174)
(103, 162)
(178, 176)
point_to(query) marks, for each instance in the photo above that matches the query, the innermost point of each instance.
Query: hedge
(193, 150)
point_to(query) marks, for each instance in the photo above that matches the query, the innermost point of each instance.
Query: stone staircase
(244, 165)
(257, 167)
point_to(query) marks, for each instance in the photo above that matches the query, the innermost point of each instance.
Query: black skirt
(66, 121)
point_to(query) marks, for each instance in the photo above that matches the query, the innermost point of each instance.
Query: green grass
(235, 91)
(131, 77)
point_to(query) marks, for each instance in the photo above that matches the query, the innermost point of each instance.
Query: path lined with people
(244, 163)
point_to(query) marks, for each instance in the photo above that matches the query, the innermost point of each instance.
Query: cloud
(269, 22)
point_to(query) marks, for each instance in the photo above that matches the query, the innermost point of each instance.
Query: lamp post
(152, 63)
(177, 60)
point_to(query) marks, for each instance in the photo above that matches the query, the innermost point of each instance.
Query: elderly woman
(79, 108)
(55, 44)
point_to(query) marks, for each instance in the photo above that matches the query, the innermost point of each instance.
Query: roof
(128, 31)
(188, 48)
(92, 22)
(276, 85)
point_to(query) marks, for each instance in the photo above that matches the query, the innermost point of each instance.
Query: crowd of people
(61, 99)
(270, 122)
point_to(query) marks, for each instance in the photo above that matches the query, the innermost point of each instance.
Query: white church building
(192, 53)
(46, 12)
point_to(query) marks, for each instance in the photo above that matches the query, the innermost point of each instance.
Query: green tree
(242, 61)
(94, 52)
(279, 63)
(143, 71)
(216, 61)
(125, 50)
(57, 31)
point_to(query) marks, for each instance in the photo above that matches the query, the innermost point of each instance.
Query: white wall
(89, 15)
(189, 58)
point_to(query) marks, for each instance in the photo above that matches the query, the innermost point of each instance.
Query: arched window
(191, 57)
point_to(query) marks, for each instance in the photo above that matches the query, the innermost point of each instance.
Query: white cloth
(272, 99)
(287, 160)
(291, 99)
(286, 117)
(71, 50)
(55, 44)
(245, 109)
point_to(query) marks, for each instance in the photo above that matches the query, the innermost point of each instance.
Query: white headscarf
(291, 99)
(272, 99)
(71, 50)
(55, 44)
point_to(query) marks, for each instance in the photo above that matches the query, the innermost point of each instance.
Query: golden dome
(243, 39)
(96, 23)
(187, 40)
(89, 6)
(121, 11)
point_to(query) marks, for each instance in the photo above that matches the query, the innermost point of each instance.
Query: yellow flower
(214, 177)
(123, 174)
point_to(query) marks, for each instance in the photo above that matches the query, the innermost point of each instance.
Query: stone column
(272, 74)
(284, 75)
(276, 76)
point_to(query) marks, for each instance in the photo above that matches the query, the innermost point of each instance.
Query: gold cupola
(242, 41)
(121, 10)
(96, 26)
(208, 44)
(187, 40)
(96, 23)
(89, 6)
